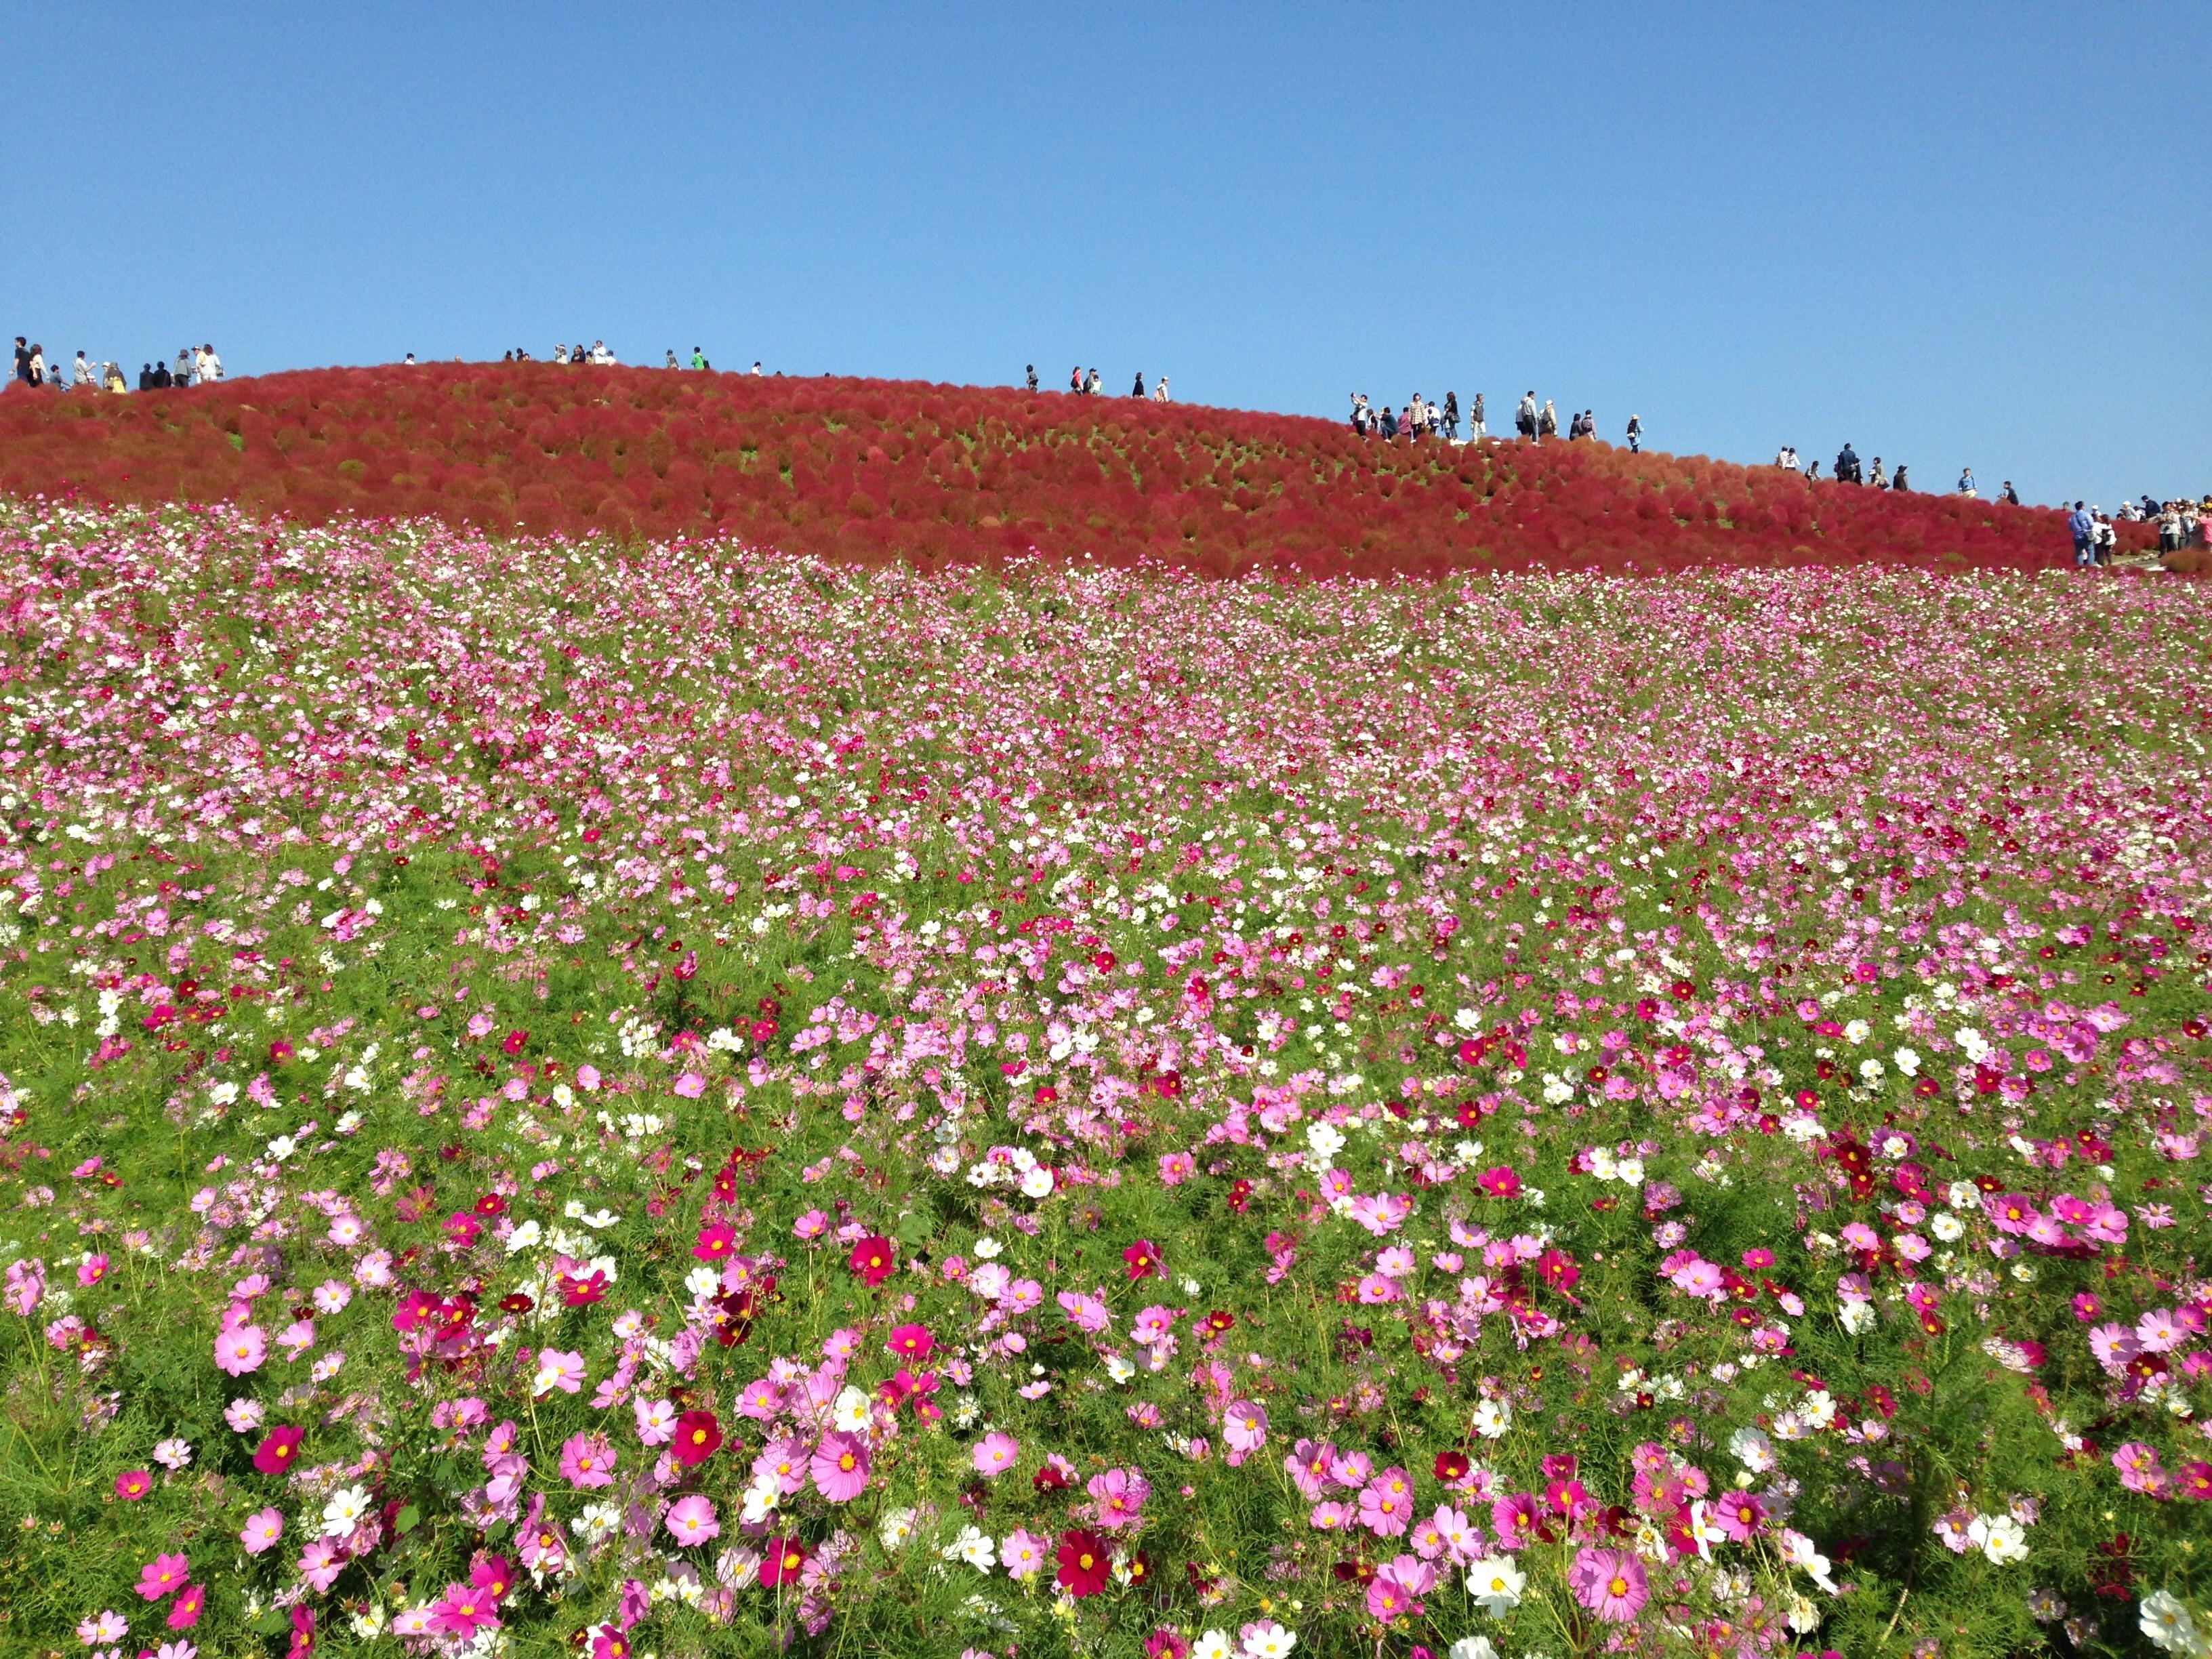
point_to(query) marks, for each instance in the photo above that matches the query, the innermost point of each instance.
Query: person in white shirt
(1160, 390)
(80, 373)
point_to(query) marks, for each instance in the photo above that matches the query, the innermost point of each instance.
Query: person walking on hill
(2083, 529)
(1547, 423)
(1898, 484)
(1524, 415)
(1966, 482)
(1451, 416)
(1635, 435)
(1075, 380)
(22, 361)
(1094, 383)
(184, 370)
(1032, 377)
(1137, 390)
(81, 371)
(1160, 390)
(210, 365)
(1847, 465)
(699, 359)
(1474, 426)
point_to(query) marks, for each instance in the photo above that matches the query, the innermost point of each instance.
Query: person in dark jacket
(22, 361)
(1451, 416)
(1897, 482)
(145, 377)
(1137, 390)
(1389, 421)
(1847, 465)
(162, 378)
(2008, 496)
(1033, 377)
(1635, 434)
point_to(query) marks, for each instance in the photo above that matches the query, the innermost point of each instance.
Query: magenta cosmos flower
(1609, 1582)
(840, 1467)
(164, 1575)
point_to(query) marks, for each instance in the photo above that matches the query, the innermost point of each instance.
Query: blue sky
(1954, 235)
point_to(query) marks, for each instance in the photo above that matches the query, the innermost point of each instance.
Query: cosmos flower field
(674, 1100)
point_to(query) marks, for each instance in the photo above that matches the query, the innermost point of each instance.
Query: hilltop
(874, 469)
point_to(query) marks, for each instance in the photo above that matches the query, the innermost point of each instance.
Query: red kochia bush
(868, 470)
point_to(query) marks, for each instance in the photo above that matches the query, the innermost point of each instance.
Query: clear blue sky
(1952, 233)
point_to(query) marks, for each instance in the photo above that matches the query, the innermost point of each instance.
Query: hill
(874, 469)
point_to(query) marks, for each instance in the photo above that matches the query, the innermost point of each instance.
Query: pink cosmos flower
(1089, 1313)
(240, 1350)
(132, 1485)
(2139, 1468)
(1739, 1515)
(2160, 1332)
(1244, 1426)
(1118, 1495)
(760, 1399)
(587, 1460)
(163, 1576)
(262, 1528)
(1386, 1504)
(1609, 1582)
(462, 1611)
(1023, 1553)
(2114, 1344)
(692, 1521)
(184, 1614)
(840, 1467)
(995, 1452)
(321, 1563)
(1176, 1168)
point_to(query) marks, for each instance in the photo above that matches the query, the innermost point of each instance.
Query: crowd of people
(1850, 469)
(195, 366)
(1087, 383)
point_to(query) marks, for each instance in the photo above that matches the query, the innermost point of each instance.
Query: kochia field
(871, 472)
(568, 1098)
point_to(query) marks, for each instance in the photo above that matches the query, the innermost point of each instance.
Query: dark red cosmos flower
(279, 1051)
(513, 1042)
(277, 1449)
(491, 1204)
(1451, 1465)
(1048, 1478)
(582, 1293)
(1142, 1258)
(781, 1562)
(698, 1434)
(1084, 1564)
(873, 1258)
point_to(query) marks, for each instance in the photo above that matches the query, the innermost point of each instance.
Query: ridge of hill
(877, 470)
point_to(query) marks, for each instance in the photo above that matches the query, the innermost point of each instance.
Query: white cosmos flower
(345, 1510)
(1497, 1583)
